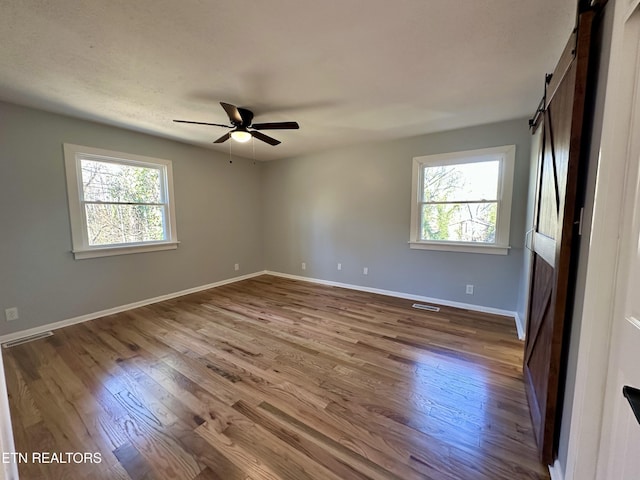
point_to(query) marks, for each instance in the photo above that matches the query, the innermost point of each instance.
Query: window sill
(123, 250)
(461, 247)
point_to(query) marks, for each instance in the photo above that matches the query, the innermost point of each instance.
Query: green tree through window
(123, 203)
(459, 202)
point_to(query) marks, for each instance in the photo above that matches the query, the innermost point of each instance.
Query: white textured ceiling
(347, 71)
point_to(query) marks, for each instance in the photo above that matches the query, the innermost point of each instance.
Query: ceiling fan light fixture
(241, 136)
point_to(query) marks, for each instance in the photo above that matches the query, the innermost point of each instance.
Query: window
(462, 201)
(118, 203)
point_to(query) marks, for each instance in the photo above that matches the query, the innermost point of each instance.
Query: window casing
(119, 203)
(461, 201)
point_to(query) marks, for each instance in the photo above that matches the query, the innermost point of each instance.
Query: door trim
(8, 471)
(586, 424)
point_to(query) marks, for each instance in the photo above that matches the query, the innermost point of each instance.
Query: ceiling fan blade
(276, 126)
(202, 123)
(247, 116)
(265, 138)
(233, 113)
(223, 138)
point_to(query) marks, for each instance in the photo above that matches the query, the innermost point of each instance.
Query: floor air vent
(421, 306)
(20, 341)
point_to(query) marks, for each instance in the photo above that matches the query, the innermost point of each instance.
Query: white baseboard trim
(555, 471)
(122, 308)
(520, 326)
(391, 293)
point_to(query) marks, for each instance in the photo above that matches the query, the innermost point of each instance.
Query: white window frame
(73, 155)
(506, 155)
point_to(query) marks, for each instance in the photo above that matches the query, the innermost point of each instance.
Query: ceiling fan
(241, 119)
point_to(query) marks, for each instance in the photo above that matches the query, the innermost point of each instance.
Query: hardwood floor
(271, 378)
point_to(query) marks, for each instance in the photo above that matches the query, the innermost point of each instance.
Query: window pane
(459, 222)
(461, 182)
(110, 182)
(109, 224)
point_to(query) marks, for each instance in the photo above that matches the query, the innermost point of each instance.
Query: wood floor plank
(344, 469)
(21, 396)
(277, 379)
(134, 464)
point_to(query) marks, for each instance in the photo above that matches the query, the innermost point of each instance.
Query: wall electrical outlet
(339, 266)
(469, 289)
(11, 314)
(236, 267)
(304, 266)
(365, 271)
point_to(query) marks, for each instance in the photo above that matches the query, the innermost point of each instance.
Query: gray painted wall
(352, 206)
(217, 210)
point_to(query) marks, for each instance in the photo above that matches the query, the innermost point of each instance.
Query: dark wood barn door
(554, 232)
